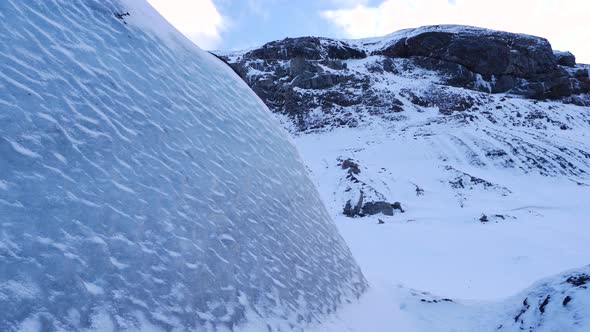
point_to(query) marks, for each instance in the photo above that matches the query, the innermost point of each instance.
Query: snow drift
(144, 186)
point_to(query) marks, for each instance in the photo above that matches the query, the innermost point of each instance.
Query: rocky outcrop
(555, 304)
(323, 83)
(351, 210)
(351, 166)
(372, 208)
(481, 51)
(565, 58)
(515, 63)
(312, 48)
(361, 209)
(363, 199)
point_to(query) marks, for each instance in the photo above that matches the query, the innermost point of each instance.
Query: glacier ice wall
(143, 185)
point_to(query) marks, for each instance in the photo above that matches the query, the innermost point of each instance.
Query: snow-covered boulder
(560, 303)
(143, 186)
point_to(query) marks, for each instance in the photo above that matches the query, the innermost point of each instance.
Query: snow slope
(557, 303)
(513, 164)
(439, 245)
(144, 187)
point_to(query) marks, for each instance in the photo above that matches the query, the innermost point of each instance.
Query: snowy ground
(439, 245)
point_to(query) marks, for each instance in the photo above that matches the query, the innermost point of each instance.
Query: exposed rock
(544, 304)
(372, 208)
(415, 98)
(565, 58)
(312, 48)
(542, 311)
(579, 280)
(299, 65)
(398, 206)
(308, 80)
(352, 211)
(449, 102)
(362, 199)
(351, 166)
(318, 82)
(482, 51)
(455, 74)
(419, 191)
(518, 63)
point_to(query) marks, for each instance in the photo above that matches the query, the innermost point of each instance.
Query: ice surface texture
(143, 185)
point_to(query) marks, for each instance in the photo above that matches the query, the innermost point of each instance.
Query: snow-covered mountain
(455, 161)
(144, 187)
(320, 82)
(468, 97)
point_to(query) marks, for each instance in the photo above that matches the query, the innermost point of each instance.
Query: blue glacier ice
(143, 186)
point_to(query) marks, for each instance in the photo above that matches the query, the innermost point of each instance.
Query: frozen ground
(439, 245)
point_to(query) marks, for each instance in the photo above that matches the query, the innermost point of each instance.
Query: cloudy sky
(239, 24)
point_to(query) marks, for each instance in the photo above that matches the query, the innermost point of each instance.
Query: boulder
(351, 166)
(565, 58)
(352, 211)
(372, 208)
(482, 51)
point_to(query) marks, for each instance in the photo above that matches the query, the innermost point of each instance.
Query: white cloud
(563, 22)
(348, 3)
(199, 20)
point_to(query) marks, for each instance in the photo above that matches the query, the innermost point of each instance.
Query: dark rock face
(579, 280)
(321, 83)
(565, 58)
(312, 48)
(516, 63)
(351, 166)
(481, 51)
